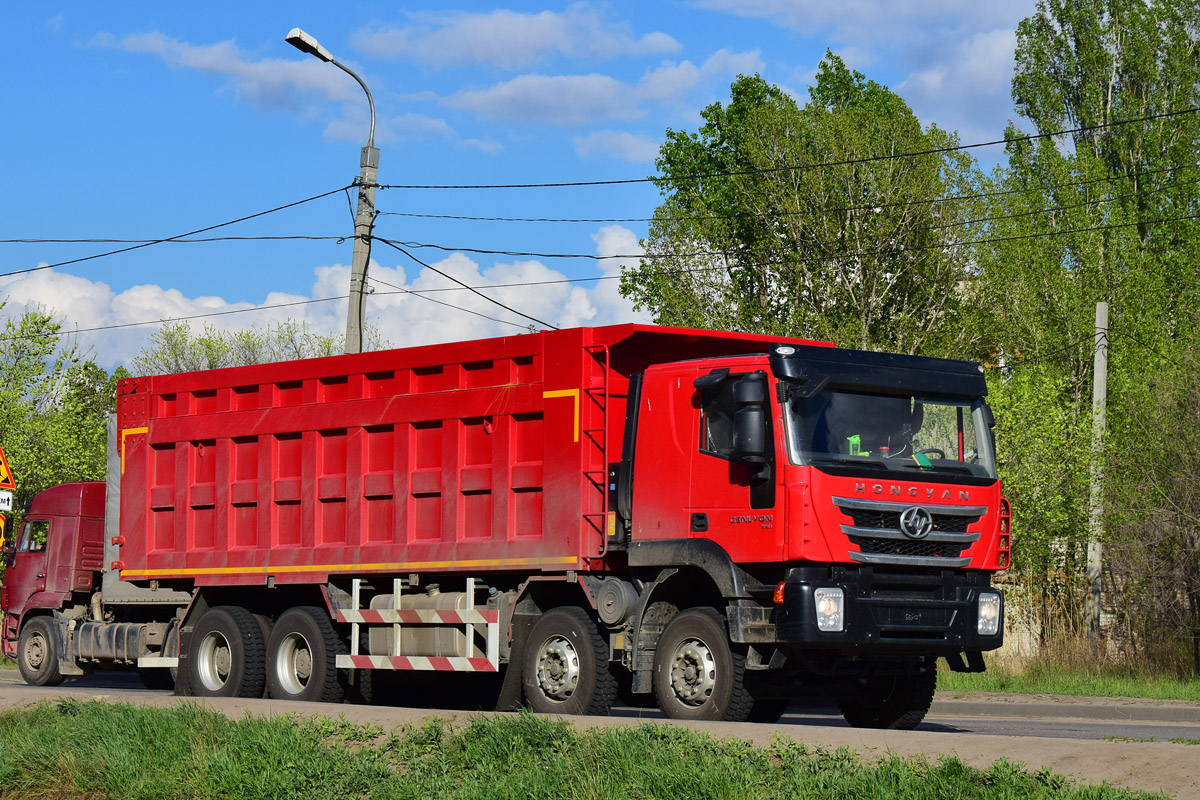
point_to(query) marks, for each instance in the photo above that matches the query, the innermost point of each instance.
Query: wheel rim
(214, 660)
(35, 651)
(558, 668)
(693, 672)
(293, 663)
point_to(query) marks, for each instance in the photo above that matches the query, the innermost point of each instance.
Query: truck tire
(302, 657)
(895, 702)
(227, 654)
(37, 653)
(566, 665)
(698, 675)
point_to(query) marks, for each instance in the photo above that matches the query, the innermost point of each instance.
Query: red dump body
(485, 455)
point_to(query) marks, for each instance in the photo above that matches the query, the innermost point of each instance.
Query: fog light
(830, 604)
(989, 613)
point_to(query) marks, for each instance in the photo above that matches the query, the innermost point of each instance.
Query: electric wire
(803, 167)
(421, 294)
(177, 240)
(833, 257)
(472, 289)
(803, 212)
(169, 238)
(164, 320)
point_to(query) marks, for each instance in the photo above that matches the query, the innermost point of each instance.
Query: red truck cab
(56, 558)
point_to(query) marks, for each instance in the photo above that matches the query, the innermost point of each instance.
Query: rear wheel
(37, 653)
(895, 702)
(566, 665)
(302, 657)
(226, 657)
(697, 672)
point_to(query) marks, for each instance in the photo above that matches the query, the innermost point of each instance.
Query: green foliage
(852, 251)
(1097, 217)
(175, 348)
(53, 402)
(1049, 676)
(75, 749)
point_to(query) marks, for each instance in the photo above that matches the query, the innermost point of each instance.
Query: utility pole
(1096, 504)
(364, 218)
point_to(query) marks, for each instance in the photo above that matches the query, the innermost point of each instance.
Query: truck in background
(725, 521)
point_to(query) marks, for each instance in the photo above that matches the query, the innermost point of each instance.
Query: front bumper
(888, 612)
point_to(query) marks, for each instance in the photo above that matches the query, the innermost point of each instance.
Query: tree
(53, 403)
(1101, 214)
(175, 348)
(811, 221)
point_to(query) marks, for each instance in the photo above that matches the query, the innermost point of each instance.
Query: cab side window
(716, 418)
(34, 536)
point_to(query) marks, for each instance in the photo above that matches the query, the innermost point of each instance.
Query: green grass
(72, 750)
(1039, 679)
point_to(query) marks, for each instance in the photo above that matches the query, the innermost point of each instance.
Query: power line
(802, 167)
(803, 212)
(170, 238)
(390, 243)
(727, 253)
(177, 240)
(421, 294)
(118, 326)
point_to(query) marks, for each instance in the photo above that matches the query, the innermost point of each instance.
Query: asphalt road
(1089, 740)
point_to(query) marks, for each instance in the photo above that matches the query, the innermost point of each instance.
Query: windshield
(910, 433)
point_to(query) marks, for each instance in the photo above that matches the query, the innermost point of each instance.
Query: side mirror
(750, 419)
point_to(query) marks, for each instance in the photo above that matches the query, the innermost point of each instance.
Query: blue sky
(147, 120)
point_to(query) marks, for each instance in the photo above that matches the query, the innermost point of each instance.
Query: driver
(878, 426)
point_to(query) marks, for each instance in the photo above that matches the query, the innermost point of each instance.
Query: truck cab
(55, 559)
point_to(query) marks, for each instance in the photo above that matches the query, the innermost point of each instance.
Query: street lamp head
(307, 44)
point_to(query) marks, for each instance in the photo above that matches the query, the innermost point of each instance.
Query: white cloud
(509, 39)
(583, 99)
(489, 146)
(55, 23)
(446, 313)
(272, 83)
(672, 81)
(963, 91)
(618, 144)
(389, 130)
(962, 86)
(612, 308)
(557, 99)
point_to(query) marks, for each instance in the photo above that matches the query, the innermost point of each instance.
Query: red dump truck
(724, 520)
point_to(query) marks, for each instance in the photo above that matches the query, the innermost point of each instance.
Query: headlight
(989, 613)
(829, 604)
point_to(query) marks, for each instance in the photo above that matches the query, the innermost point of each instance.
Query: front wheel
(697, 673)
(895, 702)
(37, 653)
(566, 665)
(225, 657)
(302, 657)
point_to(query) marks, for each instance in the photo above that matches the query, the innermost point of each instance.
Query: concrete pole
(364, 217)
(364, 221)
(1096, 504)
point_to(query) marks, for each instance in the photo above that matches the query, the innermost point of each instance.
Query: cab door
(26, 576)
(732, 501)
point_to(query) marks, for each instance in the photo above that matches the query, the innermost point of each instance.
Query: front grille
(942, 523)
(877, 533)
(919, 548)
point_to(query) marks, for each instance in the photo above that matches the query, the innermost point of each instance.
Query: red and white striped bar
(424, 616)
(431, 663)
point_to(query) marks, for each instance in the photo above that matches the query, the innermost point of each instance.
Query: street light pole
(364, 218)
